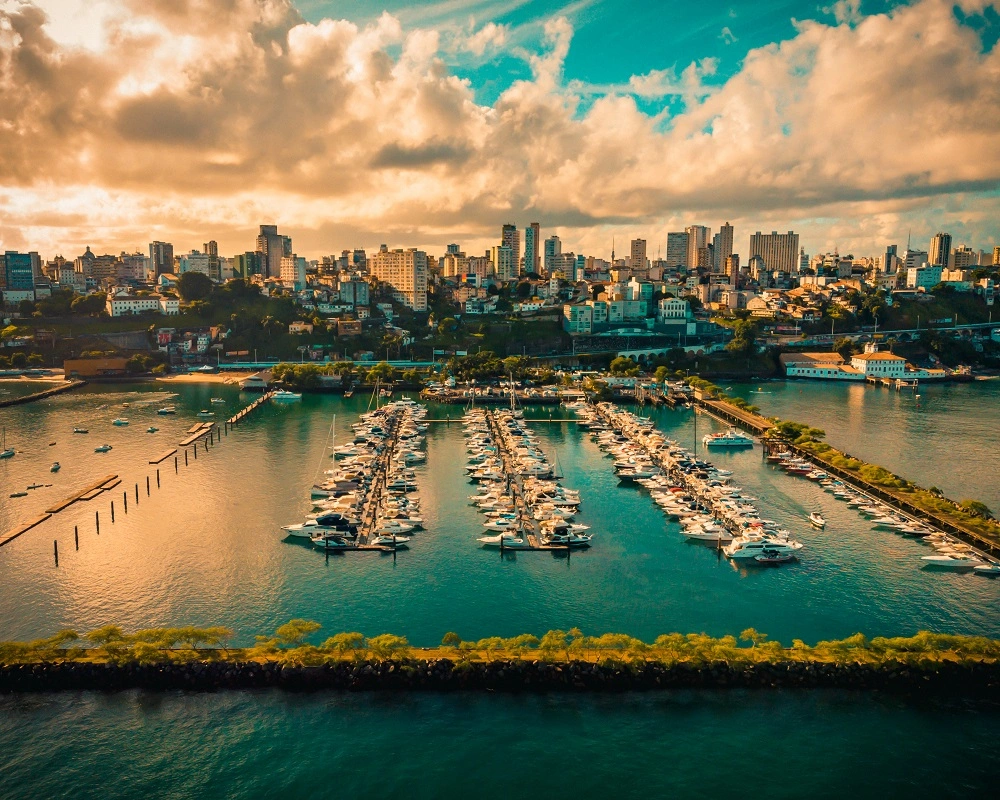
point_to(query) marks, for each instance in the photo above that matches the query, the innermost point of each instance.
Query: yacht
(119, 422)
(331, 542)
(731, 438)
(281, 394)
(205, 413)
(388, 540)
(217, 400)
(748, 548)
(956, 561)
(708, 533)
(166, 410)
(773, 557)
(817, 519)
(103, 448)
(80, 430)
(501, 539)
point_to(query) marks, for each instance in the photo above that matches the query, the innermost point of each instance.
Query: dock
(88, 493)
(23, 528)
(196, 432)
(241, 415)
(30, 398)
(163, 456)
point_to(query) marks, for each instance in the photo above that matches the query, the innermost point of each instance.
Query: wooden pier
(23, 528)
(239, 416)
(163, 456)
(30, 398)
(196, 432)
(90, 492)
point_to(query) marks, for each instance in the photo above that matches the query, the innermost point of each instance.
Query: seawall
(973, 679)
(30, 398)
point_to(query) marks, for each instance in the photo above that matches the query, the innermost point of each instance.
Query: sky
(856, 123)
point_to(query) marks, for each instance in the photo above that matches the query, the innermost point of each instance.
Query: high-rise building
(890, 261)
(940, 250)
(247, 264)
(780, 251)
(532, 248)
(17, 272)
(996, 256)
(732, 267)
(677, 249)
(510, 237)
(637, 256)
(453, 250)
(271, 245)
(214, 264)
(914, 258)
(293, 272)
(504, 264)
(963, 258)
(722, 247)
(553, 248)
(405, 271)
(161, 258)
(697, 245)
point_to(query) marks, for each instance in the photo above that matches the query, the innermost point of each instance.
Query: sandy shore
(206, 377)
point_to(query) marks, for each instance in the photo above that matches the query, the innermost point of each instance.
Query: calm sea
(205, 548)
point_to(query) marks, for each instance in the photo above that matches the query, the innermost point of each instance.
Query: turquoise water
(684, 744)
(205, 549)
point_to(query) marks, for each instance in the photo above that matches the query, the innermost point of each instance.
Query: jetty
(30, 398)
(196, 432)
(241, 415)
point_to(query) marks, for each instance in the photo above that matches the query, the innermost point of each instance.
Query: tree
(742, 342)
(451, 639)
(845, 347)
(344, 643)
(622, 365)
(447, 325)
(382, 371)
(19, 361)
(194, 286)
(660, 376)
(388, 645)
(294, 632)
(26, 308)
(35, 360)
(754, 636)
(89, 304)
(977, 509)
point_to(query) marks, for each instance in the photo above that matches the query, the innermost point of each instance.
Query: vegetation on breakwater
(289, 645)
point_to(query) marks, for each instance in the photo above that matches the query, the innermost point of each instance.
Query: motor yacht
(731, 438)
(743, 547)
(817, 520)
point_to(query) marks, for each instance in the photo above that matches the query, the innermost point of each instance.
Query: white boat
(152, 429)
(952, 562)
(281, 394)
(331, 542)
(731, 438)
(501, 524)
(387, 539)
(507, 539)
(991, 570)
(55, 467)
(6, 452)
(205, 413)
(707, 534)
(103, 448)
(119, 422)
(817, 519)
(216, 400)
(748, 548)
(80, 430)
(166, 410)
(391, 526)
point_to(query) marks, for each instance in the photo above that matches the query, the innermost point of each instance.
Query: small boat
(166, 410)
(19, 494)
(216, 400)
(388, 540)
(80, 430)
(731, 438)
(282, 395)
(152, 429)
(6, 452)
(817, 519)
(206, 413)
(773, 557)
(55, 467)
(103, 448)
(331, 542)
(991, 570)
(501, 540)
(349, 393)
(119, 422)
(35, 485)
(951, 562)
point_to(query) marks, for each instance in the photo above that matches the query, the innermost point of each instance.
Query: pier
(30, 398)
(196, 432)
(380, 476)
(241, 415)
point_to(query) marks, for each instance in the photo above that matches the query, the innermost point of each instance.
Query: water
(204, 549)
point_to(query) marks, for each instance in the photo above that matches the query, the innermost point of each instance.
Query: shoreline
(978, 679)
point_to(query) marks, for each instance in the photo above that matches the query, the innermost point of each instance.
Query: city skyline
(131, 123)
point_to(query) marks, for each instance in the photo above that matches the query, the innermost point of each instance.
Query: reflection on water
(206, 547)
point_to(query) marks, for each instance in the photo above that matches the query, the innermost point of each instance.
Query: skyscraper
(553, 248)
(940, 250)
(532, 247)
(697, 252)
(780, 251)
(504, 264)
(272, 245)
(405, 271)
(510, 237)
(637, 255)
(677, 248)
(161, 258)
(722, 247)
(18, 271)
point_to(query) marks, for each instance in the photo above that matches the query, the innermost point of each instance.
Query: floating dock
(91, 491)
(23, 528)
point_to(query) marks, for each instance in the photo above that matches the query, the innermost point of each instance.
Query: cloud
(727, 36)
(846, 12)
(187, 120)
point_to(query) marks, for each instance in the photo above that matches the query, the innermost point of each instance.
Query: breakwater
(30, 398)
(969, 678)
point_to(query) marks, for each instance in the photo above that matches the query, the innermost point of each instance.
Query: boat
(501, 540)
(55, 467)
(349, 393)
(103, 448)
(80, 430)
(19, 494)
(952, 562)
(731, 438)
(217, 400)
(6, 452)
(152, 429)
(773, 557)
(119, 422)
(388, 540)
(750, 547)
(817, 519)
(281, 394)
(204, 413)
(991, 570)
(166, 410)
(36, 485)
(331, 542)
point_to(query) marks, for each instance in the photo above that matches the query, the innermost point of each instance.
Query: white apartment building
(879, 365)
(123, 304)
(406, 272)
(293, 272)
(923, 277)
(780, 251)
(578, 318)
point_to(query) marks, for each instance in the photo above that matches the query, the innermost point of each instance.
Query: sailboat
(6, 452)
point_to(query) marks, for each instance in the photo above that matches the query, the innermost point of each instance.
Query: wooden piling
(157, 478)
(137, 494)
(112, 512)
(76, 536)
(176, 465)
(97, 521)
(185, 457)
(147, 486)
(55, 548)
(125, 498)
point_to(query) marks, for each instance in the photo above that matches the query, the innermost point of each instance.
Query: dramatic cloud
(127, 120)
